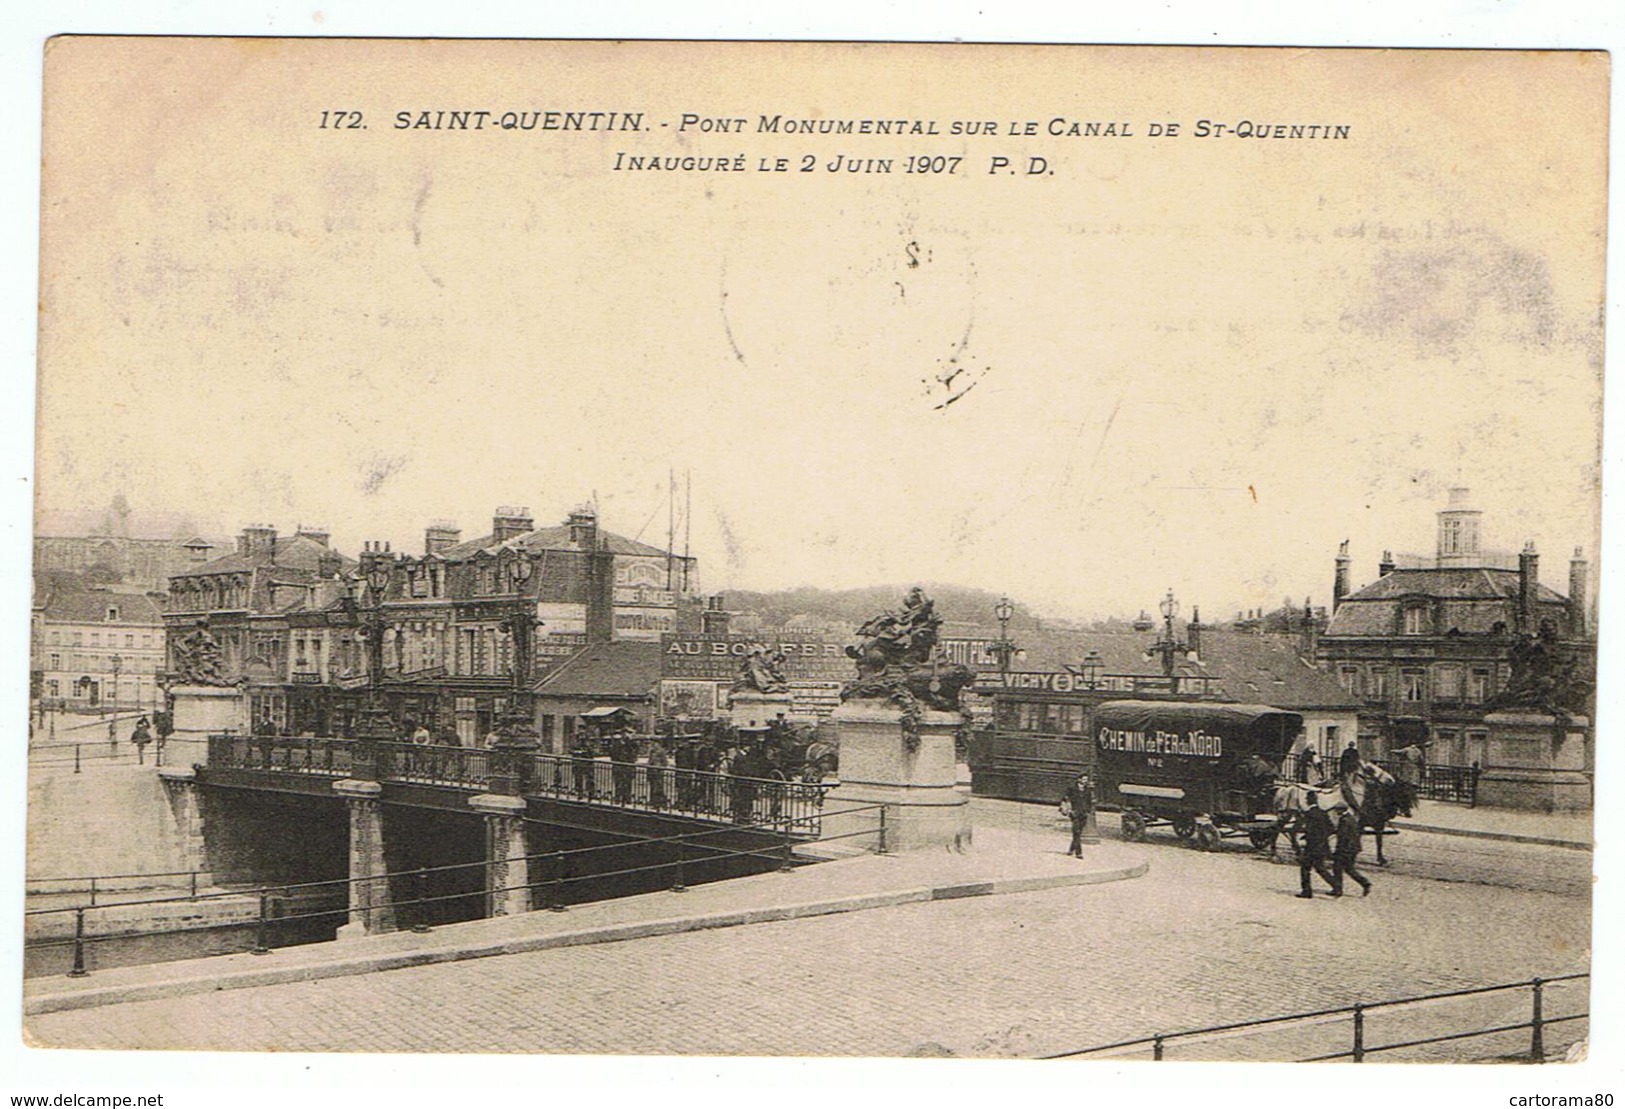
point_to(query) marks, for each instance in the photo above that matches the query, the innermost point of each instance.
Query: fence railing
(1457, 784)
(1357, 1016)
(551, 876)
(699, 794)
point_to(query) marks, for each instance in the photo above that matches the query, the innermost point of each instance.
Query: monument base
(202, 711)
(1536, 761)
(916, 790)
(748, 709)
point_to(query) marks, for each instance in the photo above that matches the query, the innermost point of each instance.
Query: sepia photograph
(770, 550)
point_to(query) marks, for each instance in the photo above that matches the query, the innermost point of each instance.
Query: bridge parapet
(708, 796)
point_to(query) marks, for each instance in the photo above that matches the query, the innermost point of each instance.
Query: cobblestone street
(1202, 939)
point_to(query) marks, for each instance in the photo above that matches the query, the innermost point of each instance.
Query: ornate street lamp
(374, 726)
(1093, 664)
(1168, 645)
(1004, 650)
(516, 736)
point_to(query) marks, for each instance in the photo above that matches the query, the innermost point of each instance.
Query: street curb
(1501, 837)
(341, 967)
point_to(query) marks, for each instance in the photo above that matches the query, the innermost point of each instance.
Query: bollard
(1537, 1035)
(785, 865)
(259, 931)
(78, 970)
(1156, 1048)
(419, 924)
(76, 758)
(677, 885)
(555, 888)
(882, 850)
(1359, 1033)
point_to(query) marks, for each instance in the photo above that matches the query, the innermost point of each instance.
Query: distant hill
(958, 605)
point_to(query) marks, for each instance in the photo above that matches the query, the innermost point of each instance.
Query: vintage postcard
(816, 549)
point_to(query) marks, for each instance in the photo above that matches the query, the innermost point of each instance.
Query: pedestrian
(1078, 804)
(1348, 850)
(623, 754)
(141, 737)
(1316, 849)
(112, 736)
(658, 774)
(1349, 761)
(1309, 770)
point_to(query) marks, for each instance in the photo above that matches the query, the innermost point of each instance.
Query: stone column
(1535, 760)
(180, 785)
(917, 788)
(202, 711)
(370, 910)
(507, 866)
(747, 708)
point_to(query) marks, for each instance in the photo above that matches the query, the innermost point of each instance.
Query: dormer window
(112, 613)
(1414, 620)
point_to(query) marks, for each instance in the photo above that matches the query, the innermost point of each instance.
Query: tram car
(1206, 769)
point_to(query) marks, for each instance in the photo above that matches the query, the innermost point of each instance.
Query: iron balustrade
(1455, 784)
(698, 794)
(549, 874)
(1358, 1015)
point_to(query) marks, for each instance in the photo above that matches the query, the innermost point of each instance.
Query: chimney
(600, 597)
(328, 565)
(1579, 571)
(439, 535)
(257, 541)
(1386, 566)
(1193, 632)
(1340, 583)
(197, 551)
(1310, 640)
(510, 522)
(583, 524)
(1528, 587)
(714, 619)
(316, 535)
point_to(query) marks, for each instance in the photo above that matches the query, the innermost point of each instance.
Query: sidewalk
(1001, 862)
(1571, 830)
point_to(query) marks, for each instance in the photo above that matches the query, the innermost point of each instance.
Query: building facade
(1428, 645)
(98, 649)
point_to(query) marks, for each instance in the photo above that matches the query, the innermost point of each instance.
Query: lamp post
(1004, 650)
(374, 726)
(1168, 645)
(118, 664)
(1092, 666)
(516, 736)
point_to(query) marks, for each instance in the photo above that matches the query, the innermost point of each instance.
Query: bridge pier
(507, 865)
(370, 908)
(181, 788)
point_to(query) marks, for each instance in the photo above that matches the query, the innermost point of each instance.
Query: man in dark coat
(1349, 761)
(1079, 801)
(1348, 850)
(1317, 849)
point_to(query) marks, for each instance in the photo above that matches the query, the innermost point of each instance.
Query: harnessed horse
(1369, 790)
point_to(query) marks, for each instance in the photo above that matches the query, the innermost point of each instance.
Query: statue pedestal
(1535, 760)
(923, 807)
(202, 711)
(748, 709)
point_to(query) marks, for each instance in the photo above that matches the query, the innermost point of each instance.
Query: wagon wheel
(1184, 827)
(1133, 826)
(1207, 837)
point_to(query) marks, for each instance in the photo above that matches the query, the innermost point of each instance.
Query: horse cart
(1207, 770)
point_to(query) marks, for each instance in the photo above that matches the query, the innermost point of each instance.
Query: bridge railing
(1456, 784)
(700, 794)
(1361, 1043)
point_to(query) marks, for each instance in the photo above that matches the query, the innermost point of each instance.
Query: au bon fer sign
(718, 657)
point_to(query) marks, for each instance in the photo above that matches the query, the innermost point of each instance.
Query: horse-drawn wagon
(1208, 770)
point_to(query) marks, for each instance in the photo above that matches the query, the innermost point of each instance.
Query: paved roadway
(1204, 938)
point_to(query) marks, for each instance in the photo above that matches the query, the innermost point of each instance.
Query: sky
(1188, 363)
